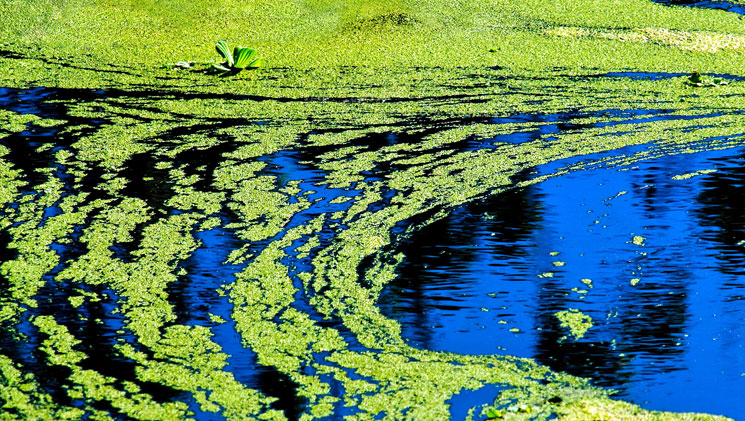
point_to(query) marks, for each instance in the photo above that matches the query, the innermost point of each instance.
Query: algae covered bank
(176, 244)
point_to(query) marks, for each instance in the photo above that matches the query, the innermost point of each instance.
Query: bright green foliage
(530, 34)
(697, 79)
(575, 321)
(242, 58)
(224, 51)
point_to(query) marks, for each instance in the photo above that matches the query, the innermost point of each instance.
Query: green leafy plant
(697, 79)
(510, 411)
(493, 414)
(241, 58)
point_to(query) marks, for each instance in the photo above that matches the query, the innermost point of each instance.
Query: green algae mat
(175, 244)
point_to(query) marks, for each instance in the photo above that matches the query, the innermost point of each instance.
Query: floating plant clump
(233, 63)
(241, 58)
(696, 79)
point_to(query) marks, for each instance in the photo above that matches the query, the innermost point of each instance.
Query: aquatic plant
(241, 58)
(577, 322)
(697, 79)
(510, 411)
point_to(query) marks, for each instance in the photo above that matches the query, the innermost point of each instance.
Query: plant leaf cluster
(698, 80)
(241, 58)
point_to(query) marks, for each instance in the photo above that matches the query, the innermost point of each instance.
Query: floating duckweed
(706, 42)
(76, 301)
(546, 275)
(216, 319)
(693, 174)
(577, 322)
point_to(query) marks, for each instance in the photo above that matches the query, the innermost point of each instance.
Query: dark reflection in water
(499, 226)
(654, 258)
(723, 201)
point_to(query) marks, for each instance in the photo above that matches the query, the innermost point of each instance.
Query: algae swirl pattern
(147, 232)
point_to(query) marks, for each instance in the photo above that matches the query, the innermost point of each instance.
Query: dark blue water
(668, 314)
(717, 5)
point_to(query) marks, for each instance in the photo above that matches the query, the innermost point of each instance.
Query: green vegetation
(575, 321)
(693, 174)
(696, 79)
(571, 404)
(241, 58)
(104, 225)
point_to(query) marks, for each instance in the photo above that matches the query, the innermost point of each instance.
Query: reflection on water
(653, 253)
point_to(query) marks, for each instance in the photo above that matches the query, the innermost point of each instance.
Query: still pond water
(653, 253)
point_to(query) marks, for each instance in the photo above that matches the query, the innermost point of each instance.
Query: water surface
(652, 252)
